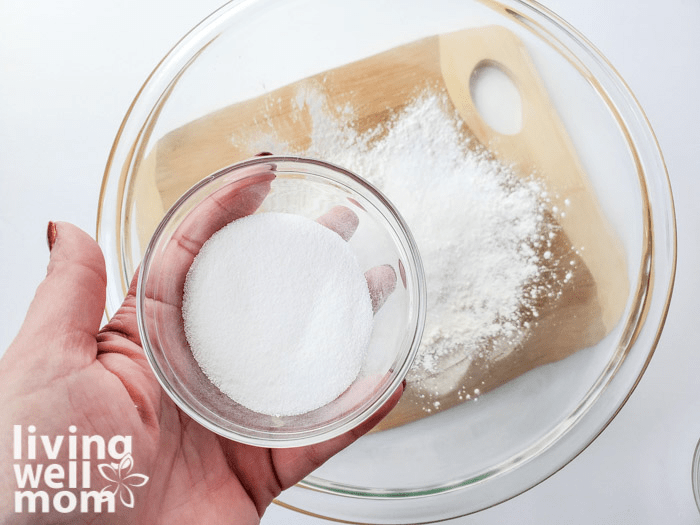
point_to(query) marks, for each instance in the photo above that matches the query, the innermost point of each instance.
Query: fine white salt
(278, 314)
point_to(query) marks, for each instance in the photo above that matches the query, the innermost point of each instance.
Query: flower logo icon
(121, 480)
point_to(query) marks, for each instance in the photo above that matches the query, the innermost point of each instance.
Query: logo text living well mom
(64, 482)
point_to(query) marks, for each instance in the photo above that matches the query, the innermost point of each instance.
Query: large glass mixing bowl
(232, 80)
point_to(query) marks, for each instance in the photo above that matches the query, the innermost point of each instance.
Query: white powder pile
(277, 313)
(478, 225)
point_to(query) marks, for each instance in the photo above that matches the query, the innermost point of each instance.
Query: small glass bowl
(308, 188)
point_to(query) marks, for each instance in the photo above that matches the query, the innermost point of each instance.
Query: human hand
(62, 371)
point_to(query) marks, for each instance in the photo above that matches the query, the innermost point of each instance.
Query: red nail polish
(402, 272)
(404, 384)
(51, 233)
(273, 166)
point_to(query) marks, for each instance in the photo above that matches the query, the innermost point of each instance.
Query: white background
(69, 70)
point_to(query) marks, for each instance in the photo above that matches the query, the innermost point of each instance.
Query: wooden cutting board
(591, 302)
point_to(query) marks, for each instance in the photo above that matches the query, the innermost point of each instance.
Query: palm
(190, 478)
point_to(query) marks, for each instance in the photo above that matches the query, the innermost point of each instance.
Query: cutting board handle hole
(496, 97)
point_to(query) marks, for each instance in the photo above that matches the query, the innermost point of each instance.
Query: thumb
(67, 308)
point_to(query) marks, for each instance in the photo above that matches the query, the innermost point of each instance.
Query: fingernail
(51, 233)
(404, 384)
(353, 201)
(402, 273)
(273, 166)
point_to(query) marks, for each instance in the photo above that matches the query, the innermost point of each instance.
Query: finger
(67, 308)
(119, 350)
(381, 281)
(239, 198)
(294, 464)
(341, 220)
(123, 322)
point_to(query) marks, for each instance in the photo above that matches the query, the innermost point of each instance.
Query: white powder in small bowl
(278, 314)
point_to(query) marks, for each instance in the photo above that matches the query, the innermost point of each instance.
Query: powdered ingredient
(479, 226)
(277, 312)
